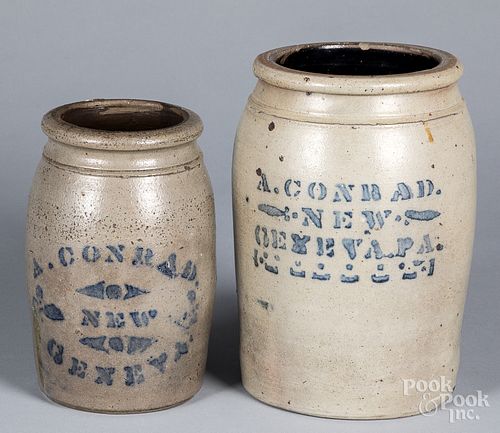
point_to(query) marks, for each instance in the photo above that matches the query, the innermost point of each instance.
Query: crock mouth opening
(358, 67)
(122, 124)
(133, 116)
(356, 61)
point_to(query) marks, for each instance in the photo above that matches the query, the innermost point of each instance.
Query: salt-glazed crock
(120, 256)
(354, 187)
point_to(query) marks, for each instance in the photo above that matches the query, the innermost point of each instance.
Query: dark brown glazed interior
(125, 118)
(334, 60)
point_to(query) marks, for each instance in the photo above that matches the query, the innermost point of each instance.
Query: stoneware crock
(120, 256)
(354, 189)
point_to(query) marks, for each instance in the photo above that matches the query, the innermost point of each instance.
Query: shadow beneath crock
(17, 370)
(223, 352)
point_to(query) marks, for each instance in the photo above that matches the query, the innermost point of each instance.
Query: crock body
(354, 215)
(121, 268)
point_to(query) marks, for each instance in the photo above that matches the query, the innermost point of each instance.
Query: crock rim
(445, 73)
(60, 130)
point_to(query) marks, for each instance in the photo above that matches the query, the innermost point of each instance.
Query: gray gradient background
(199, 55)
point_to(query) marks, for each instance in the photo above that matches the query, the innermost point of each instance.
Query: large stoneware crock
(354, 189)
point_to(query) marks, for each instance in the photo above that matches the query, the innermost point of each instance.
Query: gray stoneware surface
(120, 256)
(354, 208)
(55, 52)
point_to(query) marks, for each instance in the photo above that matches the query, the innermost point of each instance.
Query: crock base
(308, 412)
(114, 412)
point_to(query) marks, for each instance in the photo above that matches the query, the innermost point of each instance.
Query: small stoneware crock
(121, 256)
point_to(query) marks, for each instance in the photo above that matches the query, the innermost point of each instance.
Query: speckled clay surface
(354, 189)
(120, 256)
